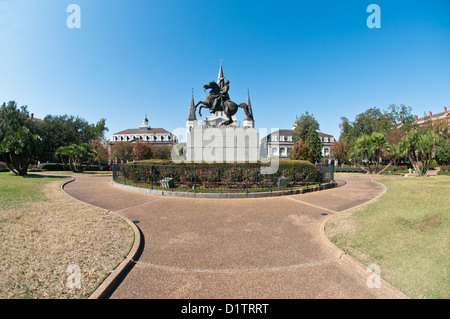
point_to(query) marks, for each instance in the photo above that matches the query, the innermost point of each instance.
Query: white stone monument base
(222, 145)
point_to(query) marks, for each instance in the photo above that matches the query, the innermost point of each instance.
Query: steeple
(220, 78)
(249, 121)
(249, 107)
(192, 116)
(144, 124)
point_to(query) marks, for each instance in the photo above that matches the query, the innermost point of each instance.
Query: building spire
(192, 116)
(250, 111)
(220, 78)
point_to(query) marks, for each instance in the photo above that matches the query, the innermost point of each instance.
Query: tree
(77, 157)
(420, 146)
(163, 152)
(443, 151)
(370, 149)
(122, 152)
(376, 120)
(64, 130)
(100, 149)
(142, 151)
(340, 151)
(19, 141)
(306, 129)
(18, 149)
(301, 151)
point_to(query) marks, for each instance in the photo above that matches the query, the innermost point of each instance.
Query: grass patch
(17, 191)
(48, 231)
(406, 232)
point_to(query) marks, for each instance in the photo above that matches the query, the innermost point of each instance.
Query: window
(281, 138)
(289, 138)
(274, 138)
(274, 151)
(326, 152)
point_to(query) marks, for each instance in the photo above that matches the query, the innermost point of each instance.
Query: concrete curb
(224, 195)
(108, 285)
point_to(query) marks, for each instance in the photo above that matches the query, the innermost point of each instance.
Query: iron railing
(220, 178)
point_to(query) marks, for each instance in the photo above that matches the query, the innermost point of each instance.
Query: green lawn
(406, 232)
(16, 191)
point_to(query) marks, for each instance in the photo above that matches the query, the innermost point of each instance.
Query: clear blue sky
(135, 57)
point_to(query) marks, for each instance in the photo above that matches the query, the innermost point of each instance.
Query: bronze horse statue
(226, 105)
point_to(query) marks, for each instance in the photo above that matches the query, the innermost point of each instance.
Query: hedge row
(220, 175)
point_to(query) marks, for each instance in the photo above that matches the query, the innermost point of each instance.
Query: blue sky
(130, 58)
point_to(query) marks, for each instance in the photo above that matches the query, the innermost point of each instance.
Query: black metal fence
(223, 178)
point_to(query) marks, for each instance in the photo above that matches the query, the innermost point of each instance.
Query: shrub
(52, 167)
(3, 167)
(221, 175)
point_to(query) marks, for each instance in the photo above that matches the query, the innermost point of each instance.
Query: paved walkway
(238, 248)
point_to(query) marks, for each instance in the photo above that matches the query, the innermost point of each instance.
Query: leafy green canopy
(77, 157)
(420, 146)
(375, 120)
(18, 149)
(306, 129)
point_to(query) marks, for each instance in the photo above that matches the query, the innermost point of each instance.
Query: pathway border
(328, 185)
(109, 284)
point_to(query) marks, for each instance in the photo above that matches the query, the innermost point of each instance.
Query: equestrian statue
(219, 100)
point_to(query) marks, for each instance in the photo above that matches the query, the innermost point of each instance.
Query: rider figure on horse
(222, 98)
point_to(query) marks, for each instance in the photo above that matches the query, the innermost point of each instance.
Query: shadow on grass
(34, 176)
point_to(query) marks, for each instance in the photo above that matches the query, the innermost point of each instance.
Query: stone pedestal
(222, 144)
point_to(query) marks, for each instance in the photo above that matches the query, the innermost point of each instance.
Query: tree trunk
(384, 169)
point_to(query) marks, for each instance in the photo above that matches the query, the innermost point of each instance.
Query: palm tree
(369, 149)
(420, 147)
(77, 157)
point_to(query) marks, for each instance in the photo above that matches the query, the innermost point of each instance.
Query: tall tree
(376, 120)
(63, 130)
(301, 151)
(122, 152)
(306, 129)
(142, 151)
(19, 148)
(340, 151)
(19, 143)
(13, 117)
